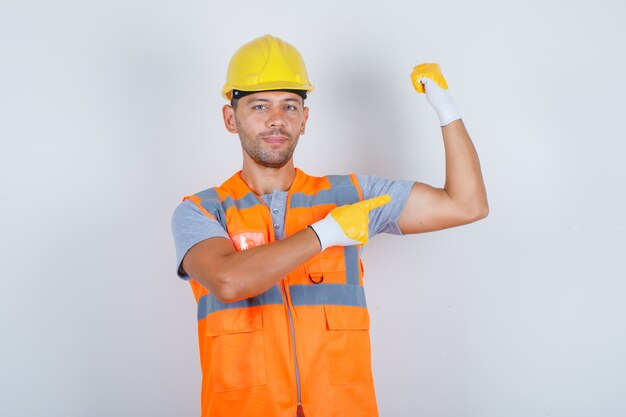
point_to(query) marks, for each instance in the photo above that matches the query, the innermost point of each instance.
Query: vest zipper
(293, 341)
(287, 297)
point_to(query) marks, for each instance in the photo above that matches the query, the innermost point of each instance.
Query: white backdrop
(110, 113)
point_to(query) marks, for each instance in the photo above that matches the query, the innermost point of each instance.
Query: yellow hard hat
(266, 63)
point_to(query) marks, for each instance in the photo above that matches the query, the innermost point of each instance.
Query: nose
(276, 118)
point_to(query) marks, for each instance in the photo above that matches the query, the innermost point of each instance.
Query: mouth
(274, 139)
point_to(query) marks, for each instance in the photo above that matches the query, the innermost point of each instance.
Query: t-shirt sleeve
(189, 227)
(385, 219)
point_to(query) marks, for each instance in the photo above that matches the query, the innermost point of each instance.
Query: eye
(260, 107)
(291, 107)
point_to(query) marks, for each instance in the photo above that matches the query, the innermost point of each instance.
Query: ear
(306, 117)
(228, 113)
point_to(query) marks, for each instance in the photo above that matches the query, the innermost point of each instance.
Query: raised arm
(463, 199)
(233, 275)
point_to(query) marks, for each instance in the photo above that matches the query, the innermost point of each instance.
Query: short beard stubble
(267, 157)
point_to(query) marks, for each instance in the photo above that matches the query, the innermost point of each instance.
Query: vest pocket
(237, 349)
(348, 344)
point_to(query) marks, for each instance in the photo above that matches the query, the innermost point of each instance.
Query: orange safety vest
(306, 339)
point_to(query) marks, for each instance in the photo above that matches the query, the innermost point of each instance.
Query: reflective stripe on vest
(209, 304)
(301, 295)
(351, 294)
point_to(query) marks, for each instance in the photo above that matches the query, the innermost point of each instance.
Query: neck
(264, 180)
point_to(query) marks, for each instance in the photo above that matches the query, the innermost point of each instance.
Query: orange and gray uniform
(305, 340)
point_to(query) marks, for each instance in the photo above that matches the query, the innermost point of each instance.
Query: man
(273, 254)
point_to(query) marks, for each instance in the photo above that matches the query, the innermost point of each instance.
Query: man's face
(269, 124)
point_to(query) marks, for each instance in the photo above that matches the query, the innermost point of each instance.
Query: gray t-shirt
(190, 226)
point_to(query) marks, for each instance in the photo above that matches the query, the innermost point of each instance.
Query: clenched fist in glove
(429, 78)
(348, 225)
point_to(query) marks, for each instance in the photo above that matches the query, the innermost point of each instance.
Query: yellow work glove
(348, 225)
(428, 78)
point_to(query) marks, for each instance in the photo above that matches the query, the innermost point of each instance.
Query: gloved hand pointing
(429, 78)
(348, 225)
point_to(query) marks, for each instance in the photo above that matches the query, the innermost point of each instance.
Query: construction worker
(273, 254)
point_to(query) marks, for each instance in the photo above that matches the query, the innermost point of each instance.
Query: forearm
(464, 181)
(234, 275)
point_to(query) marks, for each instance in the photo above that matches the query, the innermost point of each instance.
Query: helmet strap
(237, 94)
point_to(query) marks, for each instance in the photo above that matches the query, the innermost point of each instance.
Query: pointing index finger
(375, 202)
